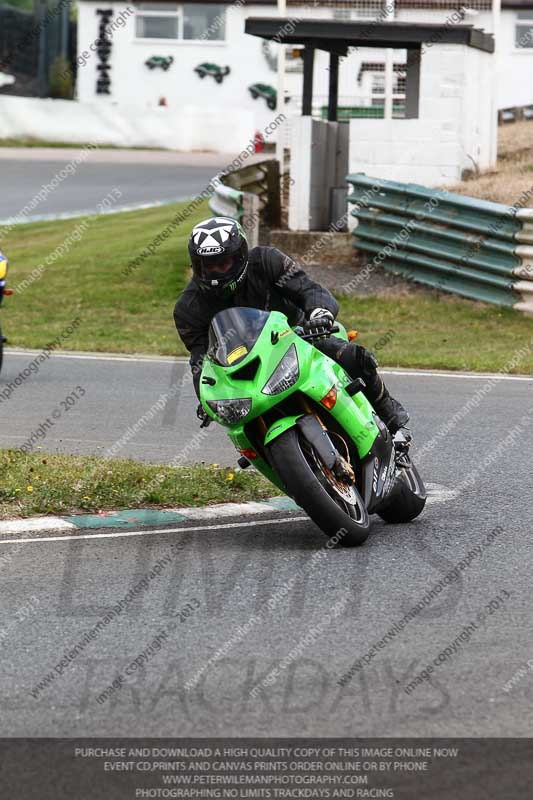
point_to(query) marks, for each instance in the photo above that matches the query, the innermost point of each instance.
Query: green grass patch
(133, 314)
(38, 483)
(120, 314)
(440, 332)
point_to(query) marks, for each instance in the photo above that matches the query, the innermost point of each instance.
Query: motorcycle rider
(226, 274)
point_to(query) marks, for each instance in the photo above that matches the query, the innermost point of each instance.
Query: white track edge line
(119, 534)
(436, 495)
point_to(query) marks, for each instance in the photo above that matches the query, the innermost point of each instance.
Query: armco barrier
(227, 202)
(244, 206)
(262, 179)
(455, 243)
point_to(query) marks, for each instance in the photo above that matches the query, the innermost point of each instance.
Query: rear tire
(408, 498)
(1, 349)
(303, 485)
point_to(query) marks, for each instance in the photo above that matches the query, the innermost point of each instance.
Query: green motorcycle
(303, 422)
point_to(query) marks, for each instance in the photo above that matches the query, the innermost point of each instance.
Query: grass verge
(512, 178)
(117, 313)
(441, 332)
(38, 483)
(133, 314)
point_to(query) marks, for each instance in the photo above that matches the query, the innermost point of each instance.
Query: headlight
(285, 375)
(231, 411)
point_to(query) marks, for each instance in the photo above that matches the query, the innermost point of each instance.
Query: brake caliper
(343, 470)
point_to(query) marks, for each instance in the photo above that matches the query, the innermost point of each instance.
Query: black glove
(204, 416)
(320, 322)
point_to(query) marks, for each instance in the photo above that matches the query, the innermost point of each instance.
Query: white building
(113, 67)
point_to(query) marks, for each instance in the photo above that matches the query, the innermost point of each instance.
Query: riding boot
(390, 410)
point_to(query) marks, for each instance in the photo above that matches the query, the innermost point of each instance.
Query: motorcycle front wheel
(336, 507)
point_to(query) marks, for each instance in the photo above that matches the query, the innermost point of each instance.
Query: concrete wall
(514, 66)
(301, 143)
(454, 131)
(133, 82)
(317, 158)
(188, 128)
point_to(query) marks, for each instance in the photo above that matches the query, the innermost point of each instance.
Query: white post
(496, 28)
(280, 141)
(389, 69)
(496, 16)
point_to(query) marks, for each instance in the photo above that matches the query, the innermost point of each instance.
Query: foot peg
(402, 440)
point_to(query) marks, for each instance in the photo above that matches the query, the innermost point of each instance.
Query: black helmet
(219, 254)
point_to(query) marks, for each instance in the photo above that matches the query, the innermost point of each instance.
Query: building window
(524, 30)
(156, 21)
(189, 21)
(342, 14)
(204, 21)
(357, 10)
(378, 84)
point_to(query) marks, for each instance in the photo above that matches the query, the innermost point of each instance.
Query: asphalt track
(139, 176)
(236, 576)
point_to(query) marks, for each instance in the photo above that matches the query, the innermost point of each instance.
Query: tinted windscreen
(233, 333)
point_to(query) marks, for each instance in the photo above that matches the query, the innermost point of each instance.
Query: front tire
(297, 465)
(408, 497)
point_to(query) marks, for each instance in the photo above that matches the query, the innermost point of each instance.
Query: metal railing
(227, 202)
(243, 206)
(261, 179)
(475, 248)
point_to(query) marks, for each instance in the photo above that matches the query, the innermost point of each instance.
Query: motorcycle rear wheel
(307, 482)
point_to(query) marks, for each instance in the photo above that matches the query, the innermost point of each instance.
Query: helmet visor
(220, 268)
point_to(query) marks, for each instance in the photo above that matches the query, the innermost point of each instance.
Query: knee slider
(359, 361)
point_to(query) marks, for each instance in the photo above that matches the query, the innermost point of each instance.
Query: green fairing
(279, 427)
(317, 375)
